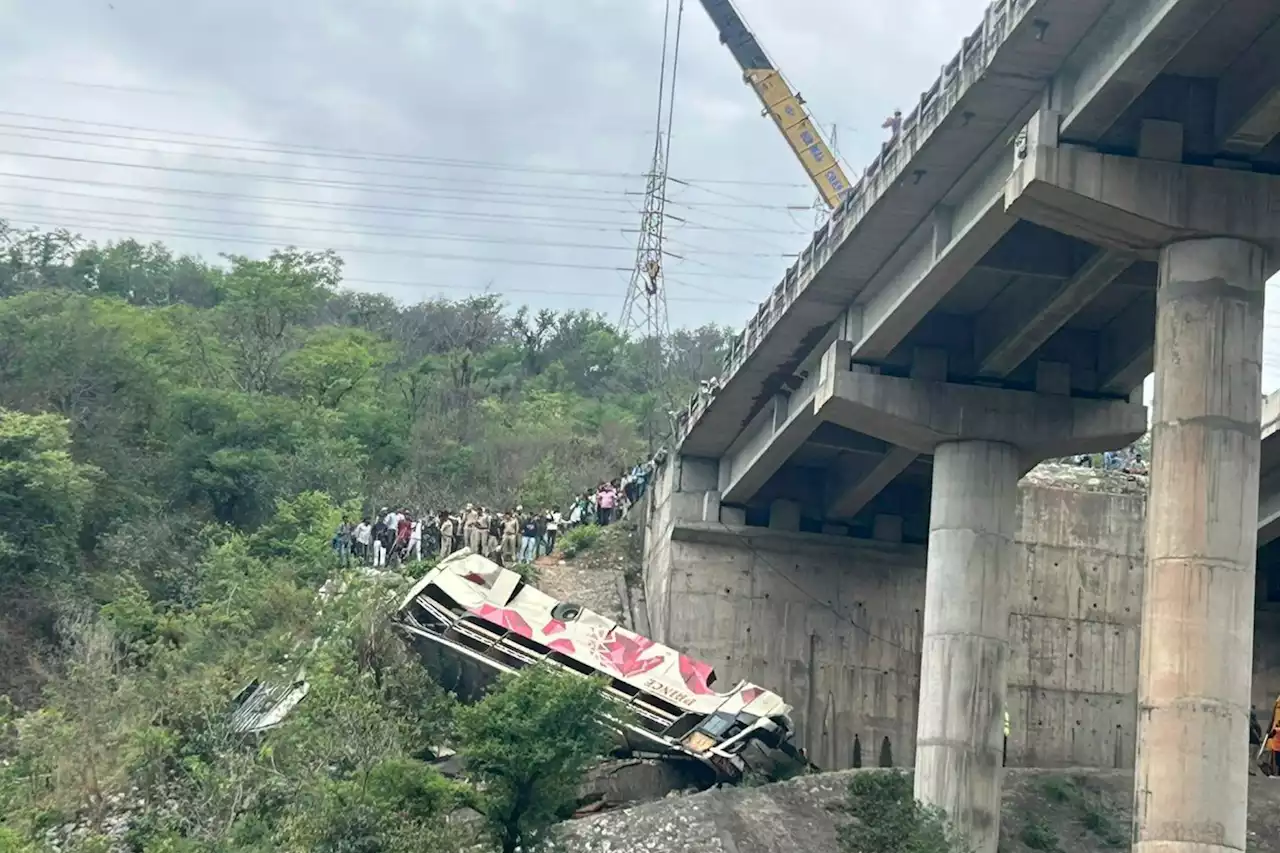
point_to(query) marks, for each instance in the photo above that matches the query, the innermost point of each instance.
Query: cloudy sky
(446, 146)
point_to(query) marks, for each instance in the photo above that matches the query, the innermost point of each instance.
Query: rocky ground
(1045, 811)
(1059, 475)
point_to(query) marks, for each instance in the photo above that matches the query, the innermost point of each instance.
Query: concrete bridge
(1088, 193)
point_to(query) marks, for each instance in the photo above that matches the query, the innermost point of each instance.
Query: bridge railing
(935, 104)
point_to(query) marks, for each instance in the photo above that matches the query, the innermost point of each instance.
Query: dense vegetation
(885, 817)
(178, 440)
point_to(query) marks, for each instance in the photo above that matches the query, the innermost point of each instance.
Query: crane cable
(671, 109)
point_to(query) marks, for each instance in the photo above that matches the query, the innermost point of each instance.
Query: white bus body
(476, 612)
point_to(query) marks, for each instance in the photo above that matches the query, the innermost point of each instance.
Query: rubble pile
(1064, 475)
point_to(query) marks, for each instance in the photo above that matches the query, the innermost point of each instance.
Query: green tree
(264, 304)
(528, 745)
(43, 492)
(333, 364)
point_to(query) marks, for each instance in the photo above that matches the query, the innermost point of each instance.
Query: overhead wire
(248, 144)
(511, 198)
(348, 153)
(745, 202)
(547, 195)
(452, 213)
(744, 223)
(316, 225)
(57, 221)
(467, 183)
(376, 282)
(329, 226)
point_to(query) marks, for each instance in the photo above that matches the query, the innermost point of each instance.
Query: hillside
(145, 396)
(179, 441)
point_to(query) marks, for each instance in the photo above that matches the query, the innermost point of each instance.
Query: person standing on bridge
(893, 124)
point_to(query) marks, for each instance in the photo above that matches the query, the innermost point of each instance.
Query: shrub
(527, 571)
(579, 539)
(887, 818)
(1038, 835)
(1100, 820)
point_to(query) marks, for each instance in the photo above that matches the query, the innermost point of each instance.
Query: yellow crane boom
(782, 104)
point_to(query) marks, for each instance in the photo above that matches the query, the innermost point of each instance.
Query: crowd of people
(509, 537)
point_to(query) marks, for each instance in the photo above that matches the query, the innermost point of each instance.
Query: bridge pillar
(959, 734)
(982, 439)
(1191, 782)
(1216, 232)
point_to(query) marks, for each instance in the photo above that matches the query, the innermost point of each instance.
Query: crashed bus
(471, 620)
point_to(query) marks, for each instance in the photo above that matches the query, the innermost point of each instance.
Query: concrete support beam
(784, 515)
(1125, 349)
(752, 461)
(1033, 252)
(860, 489)
(965, 649)
(919, 416)
(887, 528)
(1269, 508)
(898, 306)
(1248, 102)
(1138, 206)
(1191, 781)
(1137, 39)
(749, 471)
(1005, 342)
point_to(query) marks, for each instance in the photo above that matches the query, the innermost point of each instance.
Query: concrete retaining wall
(834, 622)
(1074, 623)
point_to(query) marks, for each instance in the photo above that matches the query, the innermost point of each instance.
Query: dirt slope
(1045, 811)
(602, 577)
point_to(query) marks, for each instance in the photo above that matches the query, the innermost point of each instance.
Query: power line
(538, 290)
(355, 186)
(738, 200)
(575, 224)
(328, 226)
(466, 183)
(348, 153)
(316, 225)
(451, 213)
(753, 226)
(351, 250)
(360, 154)
(515, 199)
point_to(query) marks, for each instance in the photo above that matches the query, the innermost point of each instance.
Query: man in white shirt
(554, 518)
(415, 541)
(364, 538)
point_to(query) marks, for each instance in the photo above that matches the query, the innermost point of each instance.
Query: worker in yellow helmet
(1006, 736)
